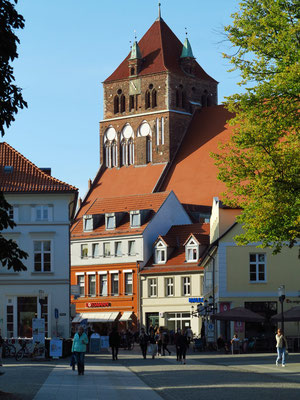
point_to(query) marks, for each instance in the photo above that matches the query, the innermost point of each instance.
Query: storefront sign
(92, 305)
(293, 301)
(239, 326)
(55, 348)
(224, 306)
(196, 300)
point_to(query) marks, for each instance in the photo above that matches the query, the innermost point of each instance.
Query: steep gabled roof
(151, 201)
(24, 176)
(161, 51)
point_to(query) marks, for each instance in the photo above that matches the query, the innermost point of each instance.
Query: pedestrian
(143, 340)
(189, 335)
(1, 349)
(165, 342)
(79, 348)
(235, 343)
(151, 329)
(176, 342)
(114, 342)
(158, 338)
(183, 345)
(281, 345)
(153, 344)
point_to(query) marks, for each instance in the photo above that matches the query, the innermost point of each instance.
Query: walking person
(183, 345)
(281, 345)
(114, 342)
(153, 344)
(165, 342)
(176, 342)
(189, 335)
(158, 337)
(79, 348)
(143, 339)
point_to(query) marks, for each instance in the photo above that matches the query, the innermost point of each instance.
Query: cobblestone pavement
(210, 376)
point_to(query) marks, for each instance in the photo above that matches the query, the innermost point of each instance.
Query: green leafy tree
(260, 164)
(11, 101)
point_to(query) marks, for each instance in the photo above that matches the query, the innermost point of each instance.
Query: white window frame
(87, 220)
(42, 208)
(152, 287)
(101, 278)
(90, 276)
(118, 254)
(42, 252)
(130, 251)
(169, 286)
(257, 263)
(186, 285)
(94, 247)
(126, 275)
(84, 246)
(192, 248)
(107, 218)
(160, 249)
(81, 283)
(104, 254)
(113, 274)
(132, 215)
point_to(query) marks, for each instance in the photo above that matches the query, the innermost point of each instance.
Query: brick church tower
(150, 98)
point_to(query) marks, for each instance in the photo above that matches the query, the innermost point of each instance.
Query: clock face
(135, 86)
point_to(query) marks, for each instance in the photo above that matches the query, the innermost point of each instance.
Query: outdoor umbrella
(293, 314)
(238, 314)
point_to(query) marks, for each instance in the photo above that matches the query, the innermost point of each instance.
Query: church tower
(150, 98)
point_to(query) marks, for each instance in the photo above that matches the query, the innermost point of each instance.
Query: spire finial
(159, 14)
(186, 33)
(134, 35)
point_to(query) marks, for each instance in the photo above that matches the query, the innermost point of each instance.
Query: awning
(96, 317)
(126, 316)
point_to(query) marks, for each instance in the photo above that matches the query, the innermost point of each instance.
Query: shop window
(128, 283)
(106, 249)
(95, 250)
(92, 285)
(114, 284)
(84, 251)
(169, 287)
(118, 249)
(81, 283)
(257, 267)
(152, 287)
(186, 286)
(103, 285)
(131, 248)
(42, 255)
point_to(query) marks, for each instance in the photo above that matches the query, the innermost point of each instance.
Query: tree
(10, 101)
(260, 164)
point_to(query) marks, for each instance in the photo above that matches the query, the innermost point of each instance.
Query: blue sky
(68, 47)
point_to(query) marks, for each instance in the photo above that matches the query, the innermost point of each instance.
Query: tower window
(116, 104)
(147, 99)
(119, 91)
(123, 104)
(131, 103)
(154, 103)
(132, 71)
(150, 97)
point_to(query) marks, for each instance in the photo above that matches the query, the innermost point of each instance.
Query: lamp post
(281, 295)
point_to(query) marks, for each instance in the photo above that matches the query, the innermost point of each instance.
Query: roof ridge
(48, 177)
(165, 192)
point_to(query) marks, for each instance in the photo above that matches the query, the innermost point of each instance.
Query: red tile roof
(193, 175)
(152, 201)
(25, 177)
(175, 238)
(124, 181)
(161, 51)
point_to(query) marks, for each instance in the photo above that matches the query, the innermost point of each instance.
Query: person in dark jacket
(165, 342)
(114, 342)
(183, 345)
(176, 342)
(143, 339)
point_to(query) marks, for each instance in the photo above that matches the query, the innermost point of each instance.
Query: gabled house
(42, 208)
(109, 243)
(171, 282)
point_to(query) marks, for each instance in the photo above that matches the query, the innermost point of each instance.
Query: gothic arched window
(154, 101)
(127, 145)
(147, 99)
(123, 103)
(149, 149)
(116, 104)
(110, 147)
(145, 130)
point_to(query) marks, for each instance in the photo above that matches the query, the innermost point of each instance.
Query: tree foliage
(261, 162)
(10, 101)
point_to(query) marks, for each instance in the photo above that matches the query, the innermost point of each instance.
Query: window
(149, 149)
(118, 249)
(128, 283)
(110, 222)
(95, 250)
(152, 287)
(154, 102)
(114, 284)
(42, 256)
(80, 282)
(9, 321)
(131, 248)
(88, 223)
(123, 103)
(169, 282)
(192, 254)
(147, 99)
(131, 103)
(11, 212)
(208, 276)
(160, 256)
(84, 251)
(116, 104)
(257, 267)
(135, 219)
(42, 213)
(106, 249)
(103, 285)
(92, 285)
(186, 286)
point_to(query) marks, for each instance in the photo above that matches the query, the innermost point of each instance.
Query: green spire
(135, 52)
(187, 50)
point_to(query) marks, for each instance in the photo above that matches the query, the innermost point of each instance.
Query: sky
(69, 47)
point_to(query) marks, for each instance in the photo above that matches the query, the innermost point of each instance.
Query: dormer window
(110, 221)
(87, 223)
(135, 219)
(160, 253)
(192, 250)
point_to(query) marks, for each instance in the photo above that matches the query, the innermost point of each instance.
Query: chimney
(90, 184)
(46, 170)
(79, 202)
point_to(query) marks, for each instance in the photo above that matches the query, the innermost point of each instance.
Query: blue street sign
(56, 313)
(196, 300)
